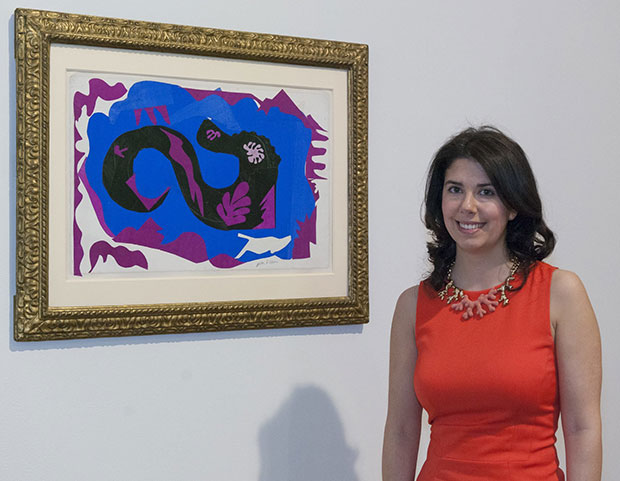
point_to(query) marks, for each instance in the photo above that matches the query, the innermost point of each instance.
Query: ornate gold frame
(34, 319)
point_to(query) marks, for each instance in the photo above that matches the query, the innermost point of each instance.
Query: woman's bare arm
(402, 428)
(578, 348)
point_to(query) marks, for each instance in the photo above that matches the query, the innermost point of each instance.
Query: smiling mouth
(470, 226)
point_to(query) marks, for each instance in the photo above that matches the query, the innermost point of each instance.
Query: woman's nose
(469, 203)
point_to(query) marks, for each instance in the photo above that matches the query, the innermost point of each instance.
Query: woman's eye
(487, 192)
(453, 189)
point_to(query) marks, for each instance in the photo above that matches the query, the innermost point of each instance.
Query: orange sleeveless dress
(489, 386)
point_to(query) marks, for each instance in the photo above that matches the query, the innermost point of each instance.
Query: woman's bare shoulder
(405, 310)
(566, 285)
(410, 294)
(569, 299)
(408, 299)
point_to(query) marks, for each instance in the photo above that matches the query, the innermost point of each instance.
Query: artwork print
(175, 178)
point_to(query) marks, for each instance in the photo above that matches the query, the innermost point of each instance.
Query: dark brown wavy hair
(528, 238)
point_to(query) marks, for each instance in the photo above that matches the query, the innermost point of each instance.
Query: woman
(494, 341)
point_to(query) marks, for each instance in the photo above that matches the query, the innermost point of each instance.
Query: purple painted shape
(180, 157)
(147, 202)
(314, 125)
(188, 245)
(233, 211)
(78, 252)
(283, 102)
(94, 199)
(231, 98)
(312, 168)
(150, 111)
(163, 111)
(318, 136)
(268, 204)
(213, 134)
(224, 261)
(120, 152)
(305, 236)
(97, 89)
(286, 105)
(239, 197)
(123, 256)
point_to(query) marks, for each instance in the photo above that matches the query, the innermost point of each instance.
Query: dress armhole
(420, 290)
(550, 328)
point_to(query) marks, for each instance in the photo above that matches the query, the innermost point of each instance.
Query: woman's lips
(469, 227)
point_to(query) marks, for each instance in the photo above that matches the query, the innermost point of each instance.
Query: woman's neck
(473, 272)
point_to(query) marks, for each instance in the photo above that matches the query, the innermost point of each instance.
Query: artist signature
(266, 262)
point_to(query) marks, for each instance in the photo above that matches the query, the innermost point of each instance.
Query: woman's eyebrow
(486, 184)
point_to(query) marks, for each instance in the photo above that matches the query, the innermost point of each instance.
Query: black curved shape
(258, 168)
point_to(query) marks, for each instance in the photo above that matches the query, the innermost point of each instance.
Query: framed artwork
(181, 179)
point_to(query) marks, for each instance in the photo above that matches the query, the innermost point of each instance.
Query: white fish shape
(261, 245)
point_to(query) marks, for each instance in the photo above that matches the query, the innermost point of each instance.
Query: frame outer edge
(35, 30)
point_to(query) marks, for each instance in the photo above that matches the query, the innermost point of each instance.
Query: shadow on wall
(304, 441)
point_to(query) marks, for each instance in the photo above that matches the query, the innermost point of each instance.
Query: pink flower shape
(255, 152)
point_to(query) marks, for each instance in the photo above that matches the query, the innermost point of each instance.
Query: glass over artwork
(171, 178)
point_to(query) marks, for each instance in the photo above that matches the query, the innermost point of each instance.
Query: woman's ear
(511, 215)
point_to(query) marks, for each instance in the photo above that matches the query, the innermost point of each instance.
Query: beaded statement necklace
(488, 300)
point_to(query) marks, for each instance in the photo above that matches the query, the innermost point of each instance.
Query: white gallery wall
(309, 404)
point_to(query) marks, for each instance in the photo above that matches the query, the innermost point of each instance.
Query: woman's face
(473, 213)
